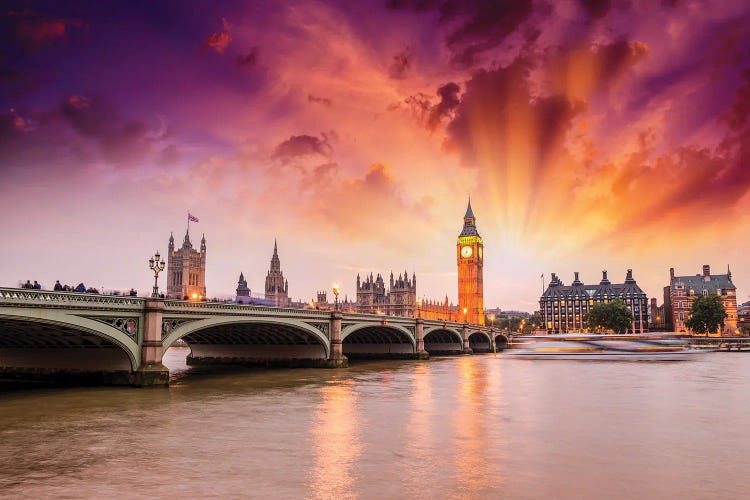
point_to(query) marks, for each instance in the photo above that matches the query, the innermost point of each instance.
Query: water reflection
(335, 438)
(470, 426)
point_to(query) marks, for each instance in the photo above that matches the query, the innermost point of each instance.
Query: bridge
(116, 340)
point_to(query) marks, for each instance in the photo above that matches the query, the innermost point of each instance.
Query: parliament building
(186, 270)
(399, 297)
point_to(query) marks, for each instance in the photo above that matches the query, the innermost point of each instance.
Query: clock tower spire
(470, 260)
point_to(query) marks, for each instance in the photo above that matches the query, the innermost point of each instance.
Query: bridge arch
(251, 340)
(377, 340)
(60, 341)
(501, 341)
(442, 340)
(480, 341)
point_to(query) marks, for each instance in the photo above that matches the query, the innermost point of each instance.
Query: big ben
(470, 259)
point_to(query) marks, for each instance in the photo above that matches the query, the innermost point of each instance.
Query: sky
(590, 135)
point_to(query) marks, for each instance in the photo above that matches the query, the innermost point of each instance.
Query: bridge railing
(44, 298)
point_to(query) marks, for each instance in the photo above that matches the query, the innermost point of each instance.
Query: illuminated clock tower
(470, 258)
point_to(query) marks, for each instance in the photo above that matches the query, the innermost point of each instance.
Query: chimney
(671, 273)
(706, 270)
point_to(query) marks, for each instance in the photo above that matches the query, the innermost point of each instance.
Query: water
(463, 427)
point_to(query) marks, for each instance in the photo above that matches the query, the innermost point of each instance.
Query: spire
(275, 248)
(470, 223)
(171, 240)
(203, 240)
(469, 212)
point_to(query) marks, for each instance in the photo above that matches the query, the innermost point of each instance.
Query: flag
(192, 218)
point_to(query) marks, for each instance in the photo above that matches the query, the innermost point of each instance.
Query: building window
(705, 293)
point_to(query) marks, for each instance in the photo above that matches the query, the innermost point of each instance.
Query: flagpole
(188, 228)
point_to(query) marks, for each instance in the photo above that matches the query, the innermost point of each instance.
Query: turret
(203, 244)
(171, 243)
(629, 277)
(604, 280)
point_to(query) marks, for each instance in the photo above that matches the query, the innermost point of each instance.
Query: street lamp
(465, 311)
(156, 264)
(419, 307)
(336, 292)
(492, 320)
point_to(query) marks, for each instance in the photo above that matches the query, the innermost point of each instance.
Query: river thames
(463, 427)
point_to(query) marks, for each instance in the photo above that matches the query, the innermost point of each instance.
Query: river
(480, 426)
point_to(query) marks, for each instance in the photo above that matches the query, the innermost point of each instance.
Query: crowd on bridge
(80, 288)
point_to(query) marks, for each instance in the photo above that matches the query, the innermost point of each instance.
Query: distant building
(400, 299)
(243, 292)
(564, 308)
(743, 318)
(682, 290)
(186, 270)
(277, 288)
(657, 321)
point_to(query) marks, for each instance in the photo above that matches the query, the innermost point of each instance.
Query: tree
(613, 315)
(707, 314)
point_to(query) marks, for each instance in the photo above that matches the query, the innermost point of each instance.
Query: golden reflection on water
(470, 423)
(336, 442)
(421, 444)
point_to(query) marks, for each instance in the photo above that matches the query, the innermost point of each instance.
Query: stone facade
(186, 270)
(440, 310)
(682, 290)
(470, 261)
(564, 308)
(400, 299)
(277, 288)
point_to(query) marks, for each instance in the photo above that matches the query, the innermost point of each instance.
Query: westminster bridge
(103, 339)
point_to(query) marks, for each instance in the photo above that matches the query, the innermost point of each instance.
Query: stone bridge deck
(103, 339)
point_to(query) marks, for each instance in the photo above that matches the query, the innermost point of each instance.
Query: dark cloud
(596, 8)
(248, 60)
(475, 26)
(120, 141)
(298, 146)
(401, 64)
(320, 100)
(449, 101)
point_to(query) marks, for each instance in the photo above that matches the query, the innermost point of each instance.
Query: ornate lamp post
(492, 320)
(336, 292)
(156, 264)
(419, 307)
(465, 311)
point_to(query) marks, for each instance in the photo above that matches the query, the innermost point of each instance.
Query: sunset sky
(590, 134)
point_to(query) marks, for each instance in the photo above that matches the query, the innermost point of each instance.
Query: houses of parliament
(186, 279)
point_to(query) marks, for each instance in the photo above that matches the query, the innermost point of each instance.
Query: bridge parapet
(68, 300)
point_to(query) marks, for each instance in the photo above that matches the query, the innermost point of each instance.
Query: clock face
(466, 252)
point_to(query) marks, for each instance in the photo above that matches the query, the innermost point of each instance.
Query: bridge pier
(465, 337)
(152, 373)
(419, 334)
(336, 358)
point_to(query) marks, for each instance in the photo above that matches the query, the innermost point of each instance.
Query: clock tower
(470, 259)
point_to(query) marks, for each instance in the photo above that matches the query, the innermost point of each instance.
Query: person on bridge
(27, 284)
(58, 286)
(37, 286)
(81, 288)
